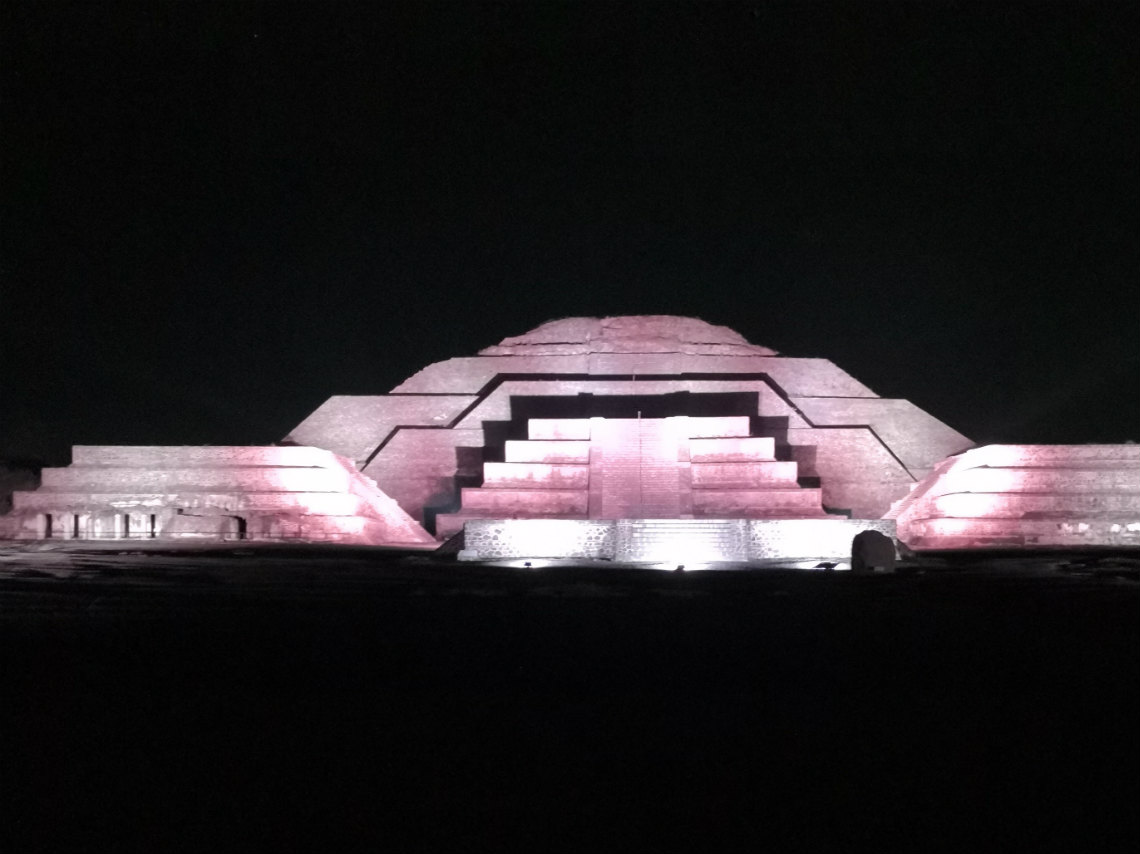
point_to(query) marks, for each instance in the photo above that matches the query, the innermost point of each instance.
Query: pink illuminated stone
(213, 493)
(409, 452)
(1027, 496)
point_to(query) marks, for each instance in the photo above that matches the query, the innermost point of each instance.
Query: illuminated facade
(627, 438)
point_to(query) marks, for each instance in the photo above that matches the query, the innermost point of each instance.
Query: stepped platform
(219, 493)
(679, 467)
(1026, 496)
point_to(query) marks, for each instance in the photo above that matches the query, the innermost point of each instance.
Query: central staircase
(682, 468)
(635, 461)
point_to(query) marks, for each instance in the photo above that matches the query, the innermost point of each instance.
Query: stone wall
(675, 542)
(1027, 496)
(428, 438)
(255, 493)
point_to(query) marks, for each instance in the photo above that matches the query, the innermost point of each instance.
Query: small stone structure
(1026, 496)
(261, 494)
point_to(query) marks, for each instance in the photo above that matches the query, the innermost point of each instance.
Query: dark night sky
(215, 215)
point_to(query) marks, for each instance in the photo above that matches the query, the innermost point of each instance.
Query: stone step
(715, 427)
(747, 449)
(491, 503)
(1034, 456)
(558, 428)
(229, 478)
(552, 451)
(1018, 504)
(193, 456)
(449, 524)
(1049, 480)
(758, 503)
(324, 503)
(535, 476)
(744, 475)
(1124, 525)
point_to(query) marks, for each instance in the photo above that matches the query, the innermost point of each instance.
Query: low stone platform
(215, 493)
(672, 541)
(1026, 496)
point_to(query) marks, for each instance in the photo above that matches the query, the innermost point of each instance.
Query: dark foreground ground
(299, 702)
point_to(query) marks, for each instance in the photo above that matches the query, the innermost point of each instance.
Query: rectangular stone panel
(681, 541)
(810, 539)
(491, 539)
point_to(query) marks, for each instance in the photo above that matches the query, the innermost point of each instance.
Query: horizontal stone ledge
(546, 451)
(177, 456)
(223, 479)
(743, 475)
(1046, 480)
(325, 503)
(525, 502)
(747, 449)
(1125, 526)
(1033, 456)
(1019, 504)
(536, 475)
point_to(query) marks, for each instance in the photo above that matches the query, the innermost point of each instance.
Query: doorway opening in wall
(126, 527)
(48, 533)
(75, 526)
(153, 526)
(241, 527)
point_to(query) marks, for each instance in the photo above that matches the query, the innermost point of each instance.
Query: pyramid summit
(655, 333)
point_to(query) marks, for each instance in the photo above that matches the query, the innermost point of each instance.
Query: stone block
(757, 504)
(559, 428)
(810, 539)
(719, 427)
(535, 476)
(198, 456)
(491, 539)
(554, 451)
(1030, 496)
(743, 475)
(752, 449)
(506, 503)
(244, 478)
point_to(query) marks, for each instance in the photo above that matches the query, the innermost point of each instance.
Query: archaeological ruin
(648, 439)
